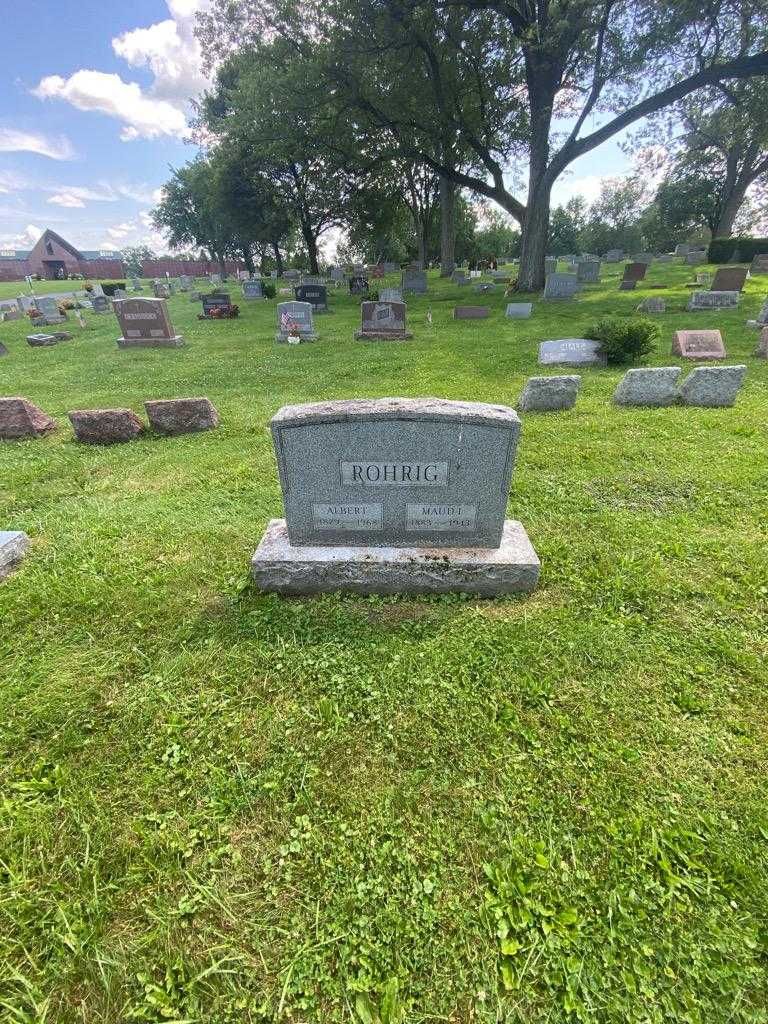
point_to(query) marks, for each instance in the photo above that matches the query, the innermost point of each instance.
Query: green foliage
(133, 259)
(625, 339)
(269, 289)
(742, 249)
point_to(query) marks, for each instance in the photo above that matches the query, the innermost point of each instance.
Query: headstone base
(383, 335)
(285, 339)
(279, 567)
(175, 342)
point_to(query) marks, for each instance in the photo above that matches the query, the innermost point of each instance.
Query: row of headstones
(706, 344)
(19, 418)
(705, 386)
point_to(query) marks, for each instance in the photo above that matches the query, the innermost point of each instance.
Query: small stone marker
(174, 416)
(414, 281)
(471, 312)
(20, 418)
(571, 352)
(383, 321)
(253, 290)
(358, 285)
(161, 291)
(698, 345)
(648, 386)
(561, 286)
(315, 294)
(549, 394)
(105, 426)
(145, 323)
(730, 279)
(635, 271)
(712, 386)
(713, 300)
(100, 304)
(614, 256)
(588, 271)
(216, 278)
(294, 321)
(518, 310)
(652, 305)
(627, 286)
(395, 495)
(762, 346)
(391, 295)
(693, 259)
(13, 547)
(42, 340)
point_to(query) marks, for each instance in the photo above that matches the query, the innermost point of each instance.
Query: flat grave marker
(571, 352)
(698, 345)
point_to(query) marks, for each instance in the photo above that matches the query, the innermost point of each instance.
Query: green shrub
(740, 250)
(625, 340)
(270, 291)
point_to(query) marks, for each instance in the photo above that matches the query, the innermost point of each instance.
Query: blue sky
(93, 105)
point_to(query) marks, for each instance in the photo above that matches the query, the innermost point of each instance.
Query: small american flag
(287, 323)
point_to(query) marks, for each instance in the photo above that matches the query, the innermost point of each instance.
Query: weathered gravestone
(383, 321)
(160, 290)
(145, 324)
(175, 416)
(42, 340)
(216, 278)
(20, 418)
(9, 311)
(390, 295)
(518, 310)
(171, 286)
(459, 277)
(643, 257)
(550, 265)
(390, 267)
(693, 259)
(96, 288)
(698, 345)
(294, 322)
(105, 426)
(100, 304)
(762, 346)
(337, 274)
(218, 306)
(13, 547)
(414, 281)
(253, 290)
(185, 283)
(25, 303)
(358, 285)
(635, 271)
(652, 305)
(588, 271)
(471, 312)
(561, 286)
(315, 294)
(712, 386)
(136, 285)
(571, 352)
(648, 386)
(48, 308)
(549, 394)
(395, 495)
(759, 264)
(614, 256)
(713, 300)
(729, 279)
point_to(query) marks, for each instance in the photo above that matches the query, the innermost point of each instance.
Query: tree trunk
(278, 259)
(421, 241)
(533, 247)
(447, 226)
(728, 212)
(310, 240)
(222, 265)
(250, 266)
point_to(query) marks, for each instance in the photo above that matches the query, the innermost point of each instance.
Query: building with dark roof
(54, 258)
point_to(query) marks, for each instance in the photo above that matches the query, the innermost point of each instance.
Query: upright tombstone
(100, 304)
(218, 306)
(383, 321)
(614, 256)
(414, 281)
(253, 289)
(160, 290)
(759, 264)
(729, 279)
(713, 300)
(145, 324)
(588, 271)
(136, 285)
(549, 394)
(518, 310)
(214, 279)
(561, 287)
(96, 288)
(643, 257)
(459, 277)
(395, 495)
(337, 274)
(682, 249)
(648, 386)
(48, 308)
(171, 286)
(635, 271)
(358, 284)
(550, 265)
(390, 295)
(315, 294)
(185, 283)
(391, 267)
(698, 345)
(25, 303)
(294, 322)
(694, 258)
(571, 352)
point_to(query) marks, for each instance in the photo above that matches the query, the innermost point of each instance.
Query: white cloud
(587, 187)
(75, 196)
(24, 240)
(121, 231)
(108, 94)
(172, 54)
(57, 148)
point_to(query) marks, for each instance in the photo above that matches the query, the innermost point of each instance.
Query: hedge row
(736, 250)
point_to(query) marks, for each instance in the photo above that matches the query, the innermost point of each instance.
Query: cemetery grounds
(220, 806)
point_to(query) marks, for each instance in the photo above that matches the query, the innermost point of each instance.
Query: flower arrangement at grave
(223, 312)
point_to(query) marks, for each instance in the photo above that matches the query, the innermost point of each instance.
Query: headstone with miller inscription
(145, 324)
(395, 495)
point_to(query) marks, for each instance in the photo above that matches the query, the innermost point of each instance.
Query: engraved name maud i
(395, 472)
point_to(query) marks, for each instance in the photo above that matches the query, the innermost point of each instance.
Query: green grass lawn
(219, 806)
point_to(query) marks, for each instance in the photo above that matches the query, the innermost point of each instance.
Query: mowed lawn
(226, 807)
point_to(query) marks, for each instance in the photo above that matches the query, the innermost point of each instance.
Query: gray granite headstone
(519, 310)
(160, 290)
(550, 265)
(294, 320)
(712, 386)
(614, 256)
(561, 286)
(571, 352)
(253, 290)
(390, 267)
(693, 259)
(100, 304)
(588, 271)
(415, 281)
(459, 277)
(713, 300)
(648, 386)
(652, 305)
(136, 285)
(471, 312)
(549, 394)
(390, 295)
(682, 249)
(49, 310)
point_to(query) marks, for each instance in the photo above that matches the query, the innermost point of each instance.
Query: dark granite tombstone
(315, 294)
(383, 321)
